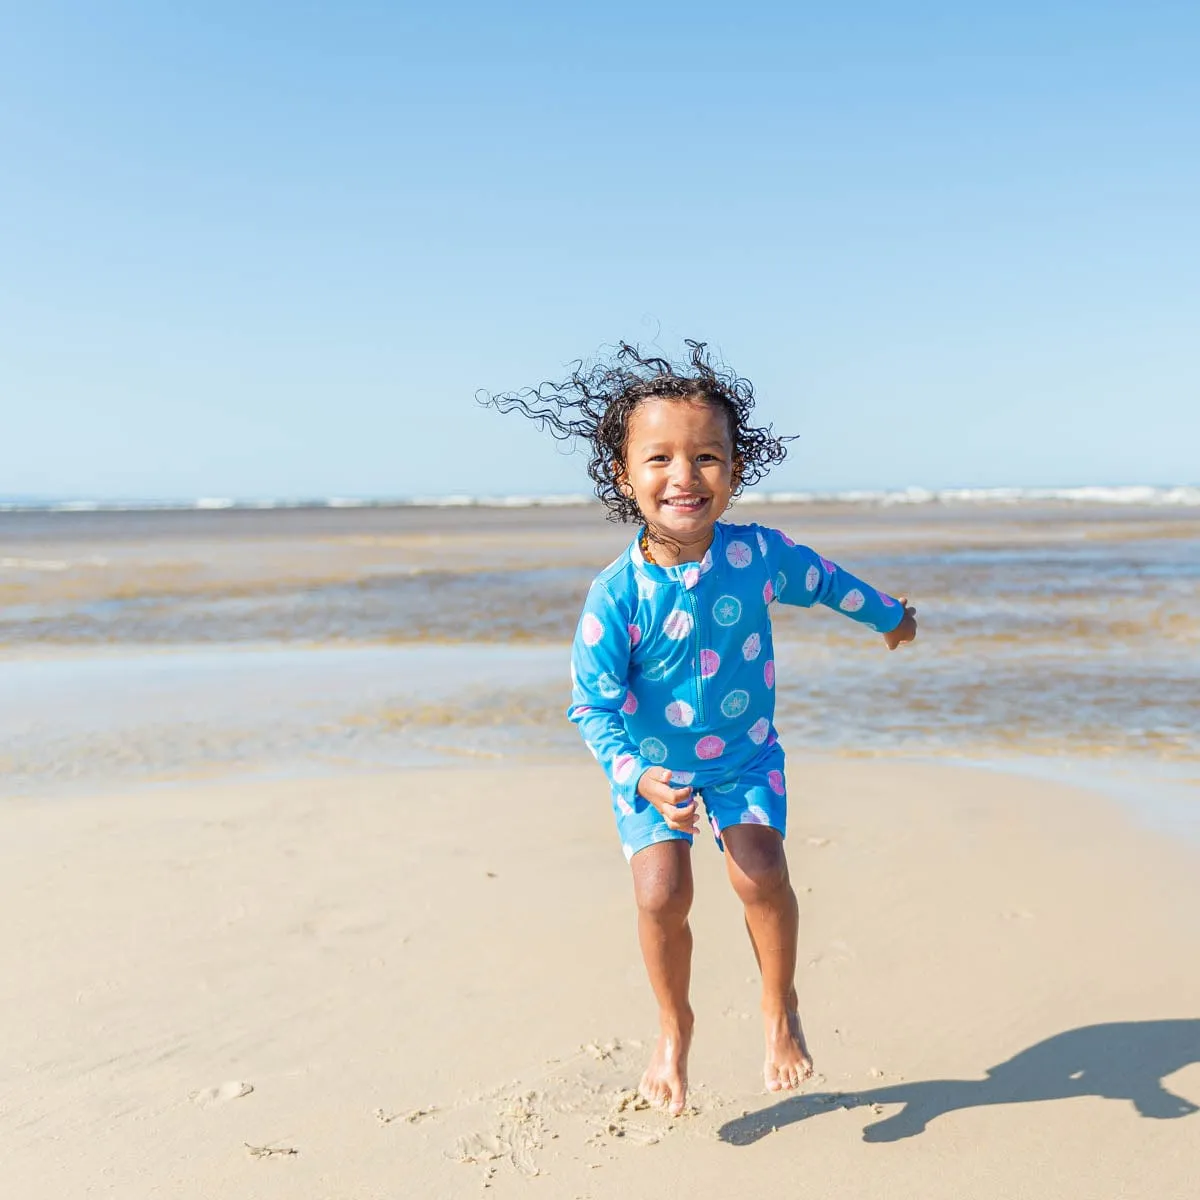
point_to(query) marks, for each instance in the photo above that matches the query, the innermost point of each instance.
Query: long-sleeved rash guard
(674, 665)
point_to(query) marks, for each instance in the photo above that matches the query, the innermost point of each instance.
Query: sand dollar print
(775, 782)
(725, 788)
(735, 703)
(757, 732)
(710, 747)
(710, 663)
(755, 815)
(609, 686)
(852, 601)
(739, 554)
(652, 750)
(769, 672)
(592, 629)
(780, 584)
(646, 588)
(812, 577)
(727, 611)
(888, 602)
(624, 806)
(751, 647)
(627, 850)
(680, 713)
(768, 592)
(635, 635)
(630, 706)
(762, 544)
(678, 624)
(655, 669)
(682, 778)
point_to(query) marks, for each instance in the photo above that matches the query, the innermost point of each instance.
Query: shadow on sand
(1121, 1061)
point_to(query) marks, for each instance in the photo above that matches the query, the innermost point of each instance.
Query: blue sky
(263, 249)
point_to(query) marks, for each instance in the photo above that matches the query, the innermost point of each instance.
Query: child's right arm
(600, 692)
(600, 695)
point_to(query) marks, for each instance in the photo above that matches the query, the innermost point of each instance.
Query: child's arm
(800, 576)
(600, 688)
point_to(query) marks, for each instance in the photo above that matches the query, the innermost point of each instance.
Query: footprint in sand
(233, 1090)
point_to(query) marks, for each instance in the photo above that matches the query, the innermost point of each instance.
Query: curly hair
(594, 404)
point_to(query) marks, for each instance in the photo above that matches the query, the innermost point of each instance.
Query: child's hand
(676, 804)
(906, 631)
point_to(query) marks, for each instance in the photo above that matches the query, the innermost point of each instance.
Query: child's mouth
(686, 504)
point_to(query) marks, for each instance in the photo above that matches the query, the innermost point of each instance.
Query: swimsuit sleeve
(600, 688)
(802, 577)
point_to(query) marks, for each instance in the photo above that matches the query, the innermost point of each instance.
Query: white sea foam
(1178, 496)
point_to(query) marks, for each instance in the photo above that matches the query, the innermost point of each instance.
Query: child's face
(679, 464)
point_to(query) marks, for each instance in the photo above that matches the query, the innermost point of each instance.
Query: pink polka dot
(751, 647)
(757, 732)
(680, 713)
(710, 747)
(622, 767)
(768, 591)
(769, 672)
(580, 709)
(691, 576)
(591, 629)
(630, 705)
(787, 541)
(635, 636)
(829, 567)
(710, 661)
(887, 600)
(775, 779)
(772, 739)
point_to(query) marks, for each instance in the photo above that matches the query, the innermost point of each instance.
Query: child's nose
(683, 472)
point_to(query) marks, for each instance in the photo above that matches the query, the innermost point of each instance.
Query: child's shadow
(1122, 1061)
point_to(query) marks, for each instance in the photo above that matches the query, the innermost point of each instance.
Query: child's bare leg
(758, 870)
(662, 884)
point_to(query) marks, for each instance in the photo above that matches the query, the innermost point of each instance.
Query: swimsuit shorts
(758, 796)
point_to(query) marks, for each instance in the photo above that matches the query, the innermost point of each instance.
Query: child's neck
(671, 552)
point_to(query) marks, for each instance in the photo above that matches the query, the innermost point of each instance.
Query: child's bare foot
(664, 1083)
(788, 1063)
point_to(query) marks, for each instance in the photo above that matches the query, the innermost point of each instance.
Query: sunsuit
(674, 665)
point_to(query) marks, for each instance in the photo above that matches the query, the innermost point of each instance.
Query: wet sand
(427, 984)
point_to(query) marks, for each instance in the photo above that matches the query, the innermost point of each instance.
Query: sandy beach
(426, 983)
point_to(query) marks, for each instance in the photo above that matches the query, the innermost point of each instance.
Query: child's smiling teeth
(687, 503)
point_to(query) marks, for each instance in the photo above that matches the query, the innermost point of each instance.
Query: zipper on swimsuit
(696, 648)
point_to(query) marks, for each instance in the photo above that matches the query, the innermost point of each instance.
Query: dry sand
(427, 985)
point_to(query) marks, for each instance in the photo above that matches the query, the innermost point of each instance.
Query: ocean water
(165, 641)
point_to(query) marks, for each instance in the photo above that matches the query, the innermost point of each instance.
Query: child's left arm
(800, 576)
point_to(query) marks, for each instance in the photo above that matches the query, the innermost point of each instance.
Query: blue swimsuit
(674, 666)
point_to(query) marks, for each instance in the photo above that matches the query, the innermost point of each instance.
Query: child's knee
(758, 868)
(665, 893)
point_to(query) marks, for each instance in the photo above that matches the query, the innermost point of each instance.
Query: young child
(673, 671)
